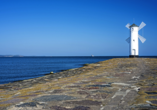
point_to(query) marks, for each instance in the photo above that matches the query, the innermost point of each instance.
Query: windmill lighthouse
(133, 39)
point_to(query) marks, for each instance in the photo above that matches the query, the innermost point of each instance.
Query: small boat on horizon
(92, 55)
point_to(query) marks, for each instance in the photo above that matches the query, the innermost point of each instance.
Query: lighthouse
(133, 39)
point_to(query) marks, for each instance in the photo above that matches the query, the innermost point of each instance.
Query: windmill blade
(128, 26)
(128, 39)
(141, 38)
(141, 26)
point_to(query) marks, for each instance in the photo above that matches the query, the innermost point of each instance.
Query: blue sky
(75, 27)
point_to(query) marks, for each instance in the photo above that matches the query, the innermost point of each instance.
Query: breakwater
(120, 83)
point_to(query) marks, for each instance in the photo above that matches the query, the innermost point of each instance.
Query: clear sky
(75, 27)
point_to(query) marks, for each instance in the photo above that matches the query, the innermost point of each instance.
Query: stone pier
(115, 84)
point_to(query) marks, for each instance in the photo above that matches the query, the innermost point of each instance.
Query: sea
(20, 68)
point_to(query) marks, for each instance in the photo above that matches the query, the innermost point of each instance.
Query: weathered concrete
(116, 84)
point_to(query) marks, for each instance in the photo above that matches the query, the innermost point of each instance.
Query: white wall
(134, 41)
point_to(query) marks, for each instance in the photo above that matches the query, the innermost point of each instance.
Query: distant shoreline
(77, 56)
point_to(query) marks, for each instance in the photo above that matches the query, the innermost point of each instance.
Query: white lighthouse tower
(133, 39)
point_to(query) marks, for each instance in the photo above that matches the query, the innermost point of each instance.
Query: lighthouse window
(134, 40)
(132, 29)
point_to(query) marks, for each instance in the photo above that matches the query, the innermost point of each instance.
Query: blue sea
(20, 68)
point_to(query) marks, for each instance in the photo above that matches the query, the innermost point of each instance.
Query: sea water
(20, 68)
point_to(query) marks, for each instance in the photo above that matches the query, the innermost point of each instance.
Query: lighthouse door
(134, 51)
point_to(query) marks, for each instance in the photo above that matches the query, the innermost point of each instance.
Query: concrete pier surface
(115, 84)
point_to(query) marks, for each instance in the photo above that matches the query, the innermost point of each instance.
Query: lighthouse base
(132, 56)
